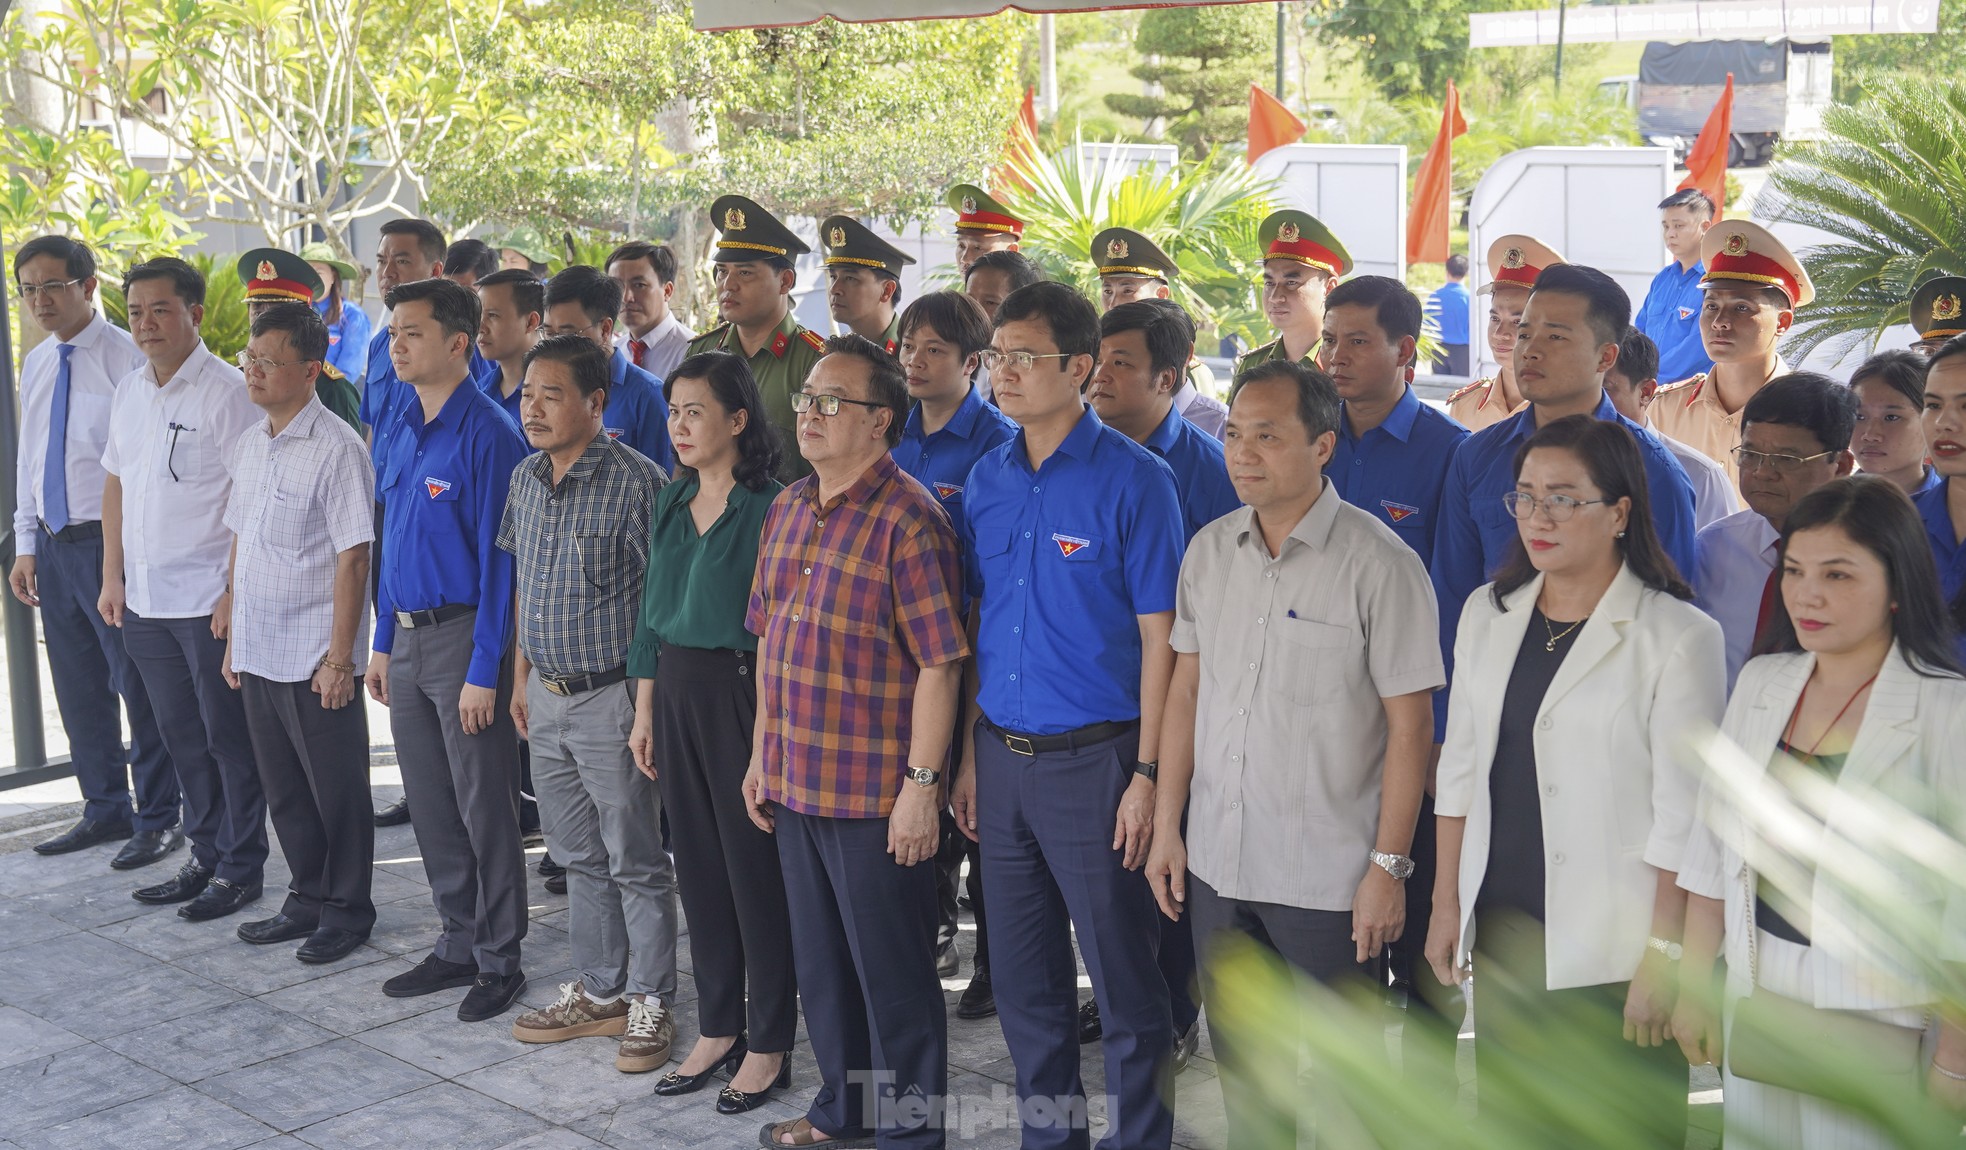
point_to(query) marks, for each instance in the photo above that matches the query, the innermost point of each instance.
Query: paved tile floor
(122, 1025)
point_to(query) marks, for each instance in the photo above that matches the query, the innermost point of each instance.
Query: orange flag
(1021, 145)
(1433, 187)
(1271, 125)
(1706, 164)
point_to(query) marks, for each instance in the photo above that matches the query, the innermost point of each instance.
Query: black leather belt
(75, 532)
(580, 684)
(434, 616)
(1065, 741)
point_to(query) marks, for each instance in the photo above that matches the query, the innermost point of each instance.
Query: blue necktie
(54, 473)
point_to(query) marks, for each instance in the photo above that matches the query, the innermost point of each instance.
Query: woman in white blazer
(1862, 684)
(1562, 801)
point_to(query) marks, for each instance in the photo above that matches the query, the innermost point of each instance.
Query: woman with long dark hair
(1857, 683)
(695, 707)
(1563, 807)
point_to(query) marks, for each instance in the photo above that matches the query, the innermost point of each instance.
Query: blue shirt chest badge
(1069, 545)
(948, 490)
(436, 487)
(1398, 512)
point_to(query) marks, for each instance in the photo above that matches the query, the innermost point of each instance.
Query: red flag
(1706, 164)
(1021, 145)
(1271, 125)
(1427, 221)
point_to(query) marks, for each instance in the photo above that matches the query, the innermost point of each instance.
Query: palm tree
(1889, 182)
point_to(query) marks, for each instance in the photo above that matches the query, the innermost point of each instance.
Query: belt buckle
(556, 685)
(406, 619)
(1012, 741)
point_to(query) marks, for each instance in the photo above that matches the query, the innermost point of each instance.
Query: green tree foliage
(1890, 183)
(1404, 46)
(1203, 59)
(1862, 61)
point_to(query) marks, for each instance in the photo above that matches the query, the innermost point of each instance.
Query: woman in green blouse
(695, 704)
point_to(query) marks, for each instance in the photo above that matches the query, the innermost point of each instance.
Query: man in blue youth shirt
(443, 631)
(1449, 306)
(1072, 541)
(582, 301)
(512, 305)
(942, 339)
(1144, 348)
(1670, 314)
(1571, 330)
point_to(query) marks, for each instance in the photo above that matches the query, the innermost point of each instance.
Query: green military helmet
(849, 243)
(528, 242)
(320, 253)
(979, 211)
(1938, 308)
(1294, 235)
(747, 233)
(1125, 252)
(271, 274)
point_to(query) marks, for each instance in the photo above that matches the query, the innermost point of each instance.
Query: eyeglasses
(170, 459)
(804, 401)
(250, 362)
(27, 292)
(1781, 464)
(1021, 360)
(1559, 508)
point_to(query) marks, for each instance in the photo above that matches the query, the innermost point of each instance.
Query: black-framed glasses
(1559, 508)
(1021, 360)
(1780, 463)
(170, 460)
(27, 292)
(804, 401)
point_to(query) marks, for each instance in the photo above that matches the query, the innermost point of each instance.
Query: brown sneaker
(574, 1016)
(645, 1043)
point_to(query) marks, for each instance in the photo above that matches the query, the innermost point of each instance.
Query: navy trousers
(863, 935)
(203, 723)
(90, 669)
(1046, 824)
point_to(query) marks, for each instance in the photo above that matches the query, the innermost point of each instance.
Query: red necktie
(1771, 601)
(636, 350)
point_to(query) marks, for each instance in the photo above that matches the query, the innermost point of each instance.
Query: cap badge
(1945, 307)
(1116, 249)
(836, 238)
(1288, 233)
(733, 219)
(969, 205)
(1512, 258)
(1737, 244)
(265, 271)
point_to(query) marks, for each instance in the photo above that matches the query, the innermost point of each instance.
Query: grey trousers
(463, 792)
(602, 819)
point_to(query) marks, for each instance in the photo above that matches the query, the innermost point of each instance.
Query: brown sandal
(804, 1137)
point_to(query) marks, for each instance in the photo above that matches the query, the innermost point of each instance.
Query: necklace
(1789, 734)
(1556, 635)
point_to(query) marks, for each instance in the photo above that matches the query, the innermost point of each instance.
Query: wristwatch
(1148, 771)
(1398, 866)
(923, 776)
(1671, 950)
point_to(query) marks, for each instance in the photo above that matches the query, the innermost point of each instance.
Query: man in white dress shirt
(650, 333)
(174, 431)
(301, 514)
(66, 385)
(1631, 385)
(1795, 436)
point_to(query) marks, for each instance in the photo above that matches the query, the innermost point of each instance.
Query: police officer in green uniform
(983, 225)
(863, 280)
(1938, 311)
(1302, 260)
(273, 276)
(754, 279)
(1132, 267)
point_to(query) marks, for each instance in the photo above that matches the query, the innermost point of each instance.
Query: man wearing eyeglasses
(1795, 436)
(174, 430)
(274, 277)
(66, 387)
(582, 301)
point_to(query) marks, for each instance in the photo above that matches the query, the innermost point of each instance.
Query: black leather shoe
(948, 960)
(429, 976)
(490, 996)
(731, 1100)
(329, 944)
(1185, 1045)
(146, 847)
(979, 998)
(82, 836)
(1091, 1029)
(393, 815)
(279, 928)
(674, 1082)
(557, 884)
(188, 883)
(220, 899)
(548, 868)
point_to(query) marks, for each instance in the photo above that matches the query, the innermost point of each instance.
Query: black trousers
(956, 849)
(314, 767)
(727, 870)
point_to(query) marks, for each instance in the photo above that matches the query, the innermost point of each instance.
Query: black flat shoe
(1091, 1029)
(279, 928)
(393, 815)
(548, 868)
(675, 1082)
(948, 960)
(146, 847)
(220, 899)
(1185, 1045)
(82, 836)
(188, 883)
(329, 944)
(979, 998)
(429, 976)
(490, 996)
(731, 1100)
(555, 884)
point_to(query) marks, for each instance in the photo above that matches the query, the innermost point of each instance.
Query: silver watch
(923, 776)
(1398, 866)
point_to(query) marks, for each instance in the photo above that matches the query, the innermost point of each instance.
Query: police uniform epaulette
(1471, 388)
(710, 337)
(812, 337)
(1690, 386)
